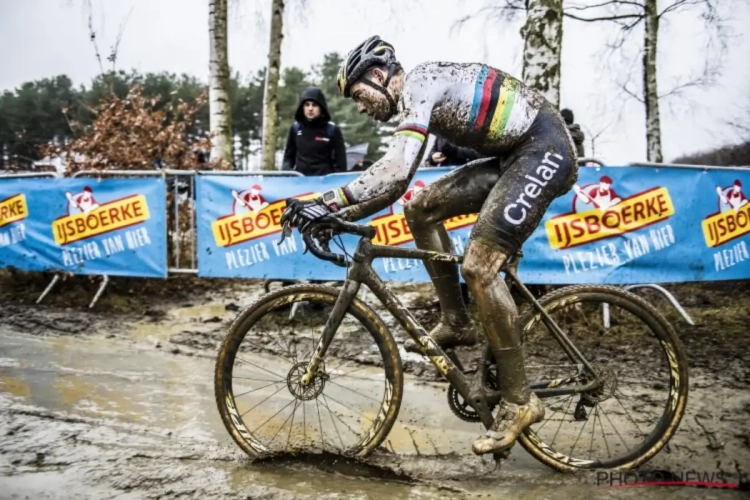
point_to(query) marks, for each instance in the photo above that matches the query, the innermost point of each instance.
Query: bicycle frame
(472, 389)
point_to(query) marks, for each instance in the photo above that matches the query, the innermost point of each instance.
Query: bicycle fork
(343, 302)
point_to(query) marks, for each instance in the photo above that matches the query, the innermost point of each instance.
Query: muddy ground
(48, 447)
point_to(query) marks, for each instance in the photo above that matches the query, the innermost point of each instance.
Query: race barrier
(113, 226)
(624, 225)
(618, 225)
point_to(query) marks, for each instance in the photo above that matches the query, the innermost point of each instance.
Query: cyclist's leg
(460, 192)
(542, 169)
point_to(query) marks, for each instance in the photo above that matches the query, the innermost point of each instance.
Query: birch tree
(220, 115)
(542, 35)
(271, 92)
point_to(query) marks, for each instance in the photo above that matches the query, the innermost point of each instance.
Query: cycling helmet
(373, 51)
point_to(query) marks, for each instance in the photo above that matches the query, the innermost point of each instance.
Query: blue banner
(84, 226)
(618, 225)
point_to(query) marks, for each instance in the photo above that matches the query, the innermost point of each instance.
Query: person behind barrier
(445, 154)
(575, 131)
(361, 166)
(315, 145)
(529, 161)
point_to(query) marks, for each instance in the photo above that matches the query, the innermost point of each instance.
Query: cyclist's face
(369, 100)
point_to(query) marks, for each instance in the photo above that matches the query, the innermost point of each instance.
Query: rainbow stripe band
(346, 196)
(494, 97)
(413, 130)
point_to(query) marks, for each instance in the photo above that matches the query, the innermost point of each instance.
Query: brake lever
(285, 232)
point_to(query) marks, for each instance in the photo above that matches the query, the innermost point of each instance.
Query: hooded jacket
(310, 151)
(578, 138)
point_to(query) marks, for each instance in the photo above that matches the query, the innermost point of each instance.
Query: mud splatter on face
(371, 102)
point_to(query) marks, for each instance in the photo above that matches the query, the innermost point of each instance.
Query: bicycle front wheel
(639, 358)
(350, 405)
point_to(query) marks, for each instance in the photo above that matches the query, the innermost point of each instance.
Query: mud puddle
(104, 418)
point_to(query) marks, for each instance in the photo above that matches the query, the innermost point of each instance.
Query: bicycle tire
(678, 367)
(284, 297)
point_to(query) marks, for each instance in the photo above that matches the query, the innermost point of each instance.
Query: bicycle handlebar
(337, 226)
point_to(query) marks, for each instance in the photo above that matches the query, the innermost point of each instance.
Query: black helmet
(367, 54)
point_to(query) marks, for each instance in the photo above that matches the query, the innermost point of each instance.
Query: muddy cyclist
(529, 160)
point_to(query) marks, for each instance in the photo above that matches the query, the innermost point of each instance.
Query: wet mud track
(96, 406)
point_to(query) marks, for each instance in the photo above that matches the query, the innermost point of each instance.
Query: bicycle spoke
(273, 338)
(258, 389)
(579, 436)
(261, 349)
(261, 368)
(269, 397)
(291, 426)
(339, 416)
(349, 408)
(269, 418)
(604, 435)
(561, 420)
(593, 431)
(325, 403)
(629, 416)
(320, 424)
(355, 392)
(282, 425)
(255, 379)
(616, 431)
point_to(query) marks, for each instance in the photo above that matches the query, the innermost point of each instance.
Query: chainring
(461, 408)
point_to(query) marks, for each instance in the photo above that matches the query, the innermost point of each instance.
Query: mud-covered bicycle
(317, 387)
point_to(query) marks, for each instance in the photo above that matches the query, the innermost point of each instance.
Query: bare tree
(629, 14)
(542, 36)
(271, 92)
(595, 134)
(740, 122)
(220, 117)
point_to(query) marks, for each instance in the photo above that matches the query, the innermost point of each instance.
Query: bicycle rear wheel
(637, 353)
(351, 404)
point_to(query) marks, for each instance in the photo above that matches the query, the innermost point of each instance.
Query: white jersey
(470, 105)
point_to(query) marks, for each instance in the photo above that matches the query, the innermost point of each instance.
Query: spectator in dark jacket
(315, 145)
(361, 166)
(575, 131)
(446, 154)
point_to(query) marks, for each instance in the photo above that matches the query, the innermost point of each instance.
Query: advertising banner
(618, 225)
(84, 226)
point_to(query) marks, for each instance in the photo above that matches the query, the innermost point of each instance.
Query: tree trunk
(220, 117)
(650, 92)
(271, 93)
(542, 35)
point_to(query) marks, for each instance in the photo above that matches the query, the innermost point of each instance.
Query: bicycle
(472, 393)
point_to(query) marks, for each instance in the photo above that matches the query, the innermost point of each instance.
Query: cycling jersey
(483, 108)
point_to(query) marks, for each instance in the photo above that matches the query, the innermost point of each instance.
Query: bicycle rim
(348, 409)
(646, 380)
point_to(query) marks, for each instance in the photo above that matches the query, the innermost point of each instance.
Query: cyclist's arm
(388, 179)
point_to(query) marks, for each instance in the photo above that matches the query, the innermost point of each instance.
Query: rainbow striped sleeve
(414, 130)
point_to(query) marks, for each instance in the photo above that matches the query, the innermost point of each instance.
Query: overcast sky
(43, 38)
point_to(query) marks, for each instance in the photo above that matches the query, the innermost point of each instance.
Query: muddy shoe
(447, 336)
(510, 422)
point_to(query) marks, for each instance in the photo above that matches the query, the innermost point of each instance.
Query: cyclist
(528, 160)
